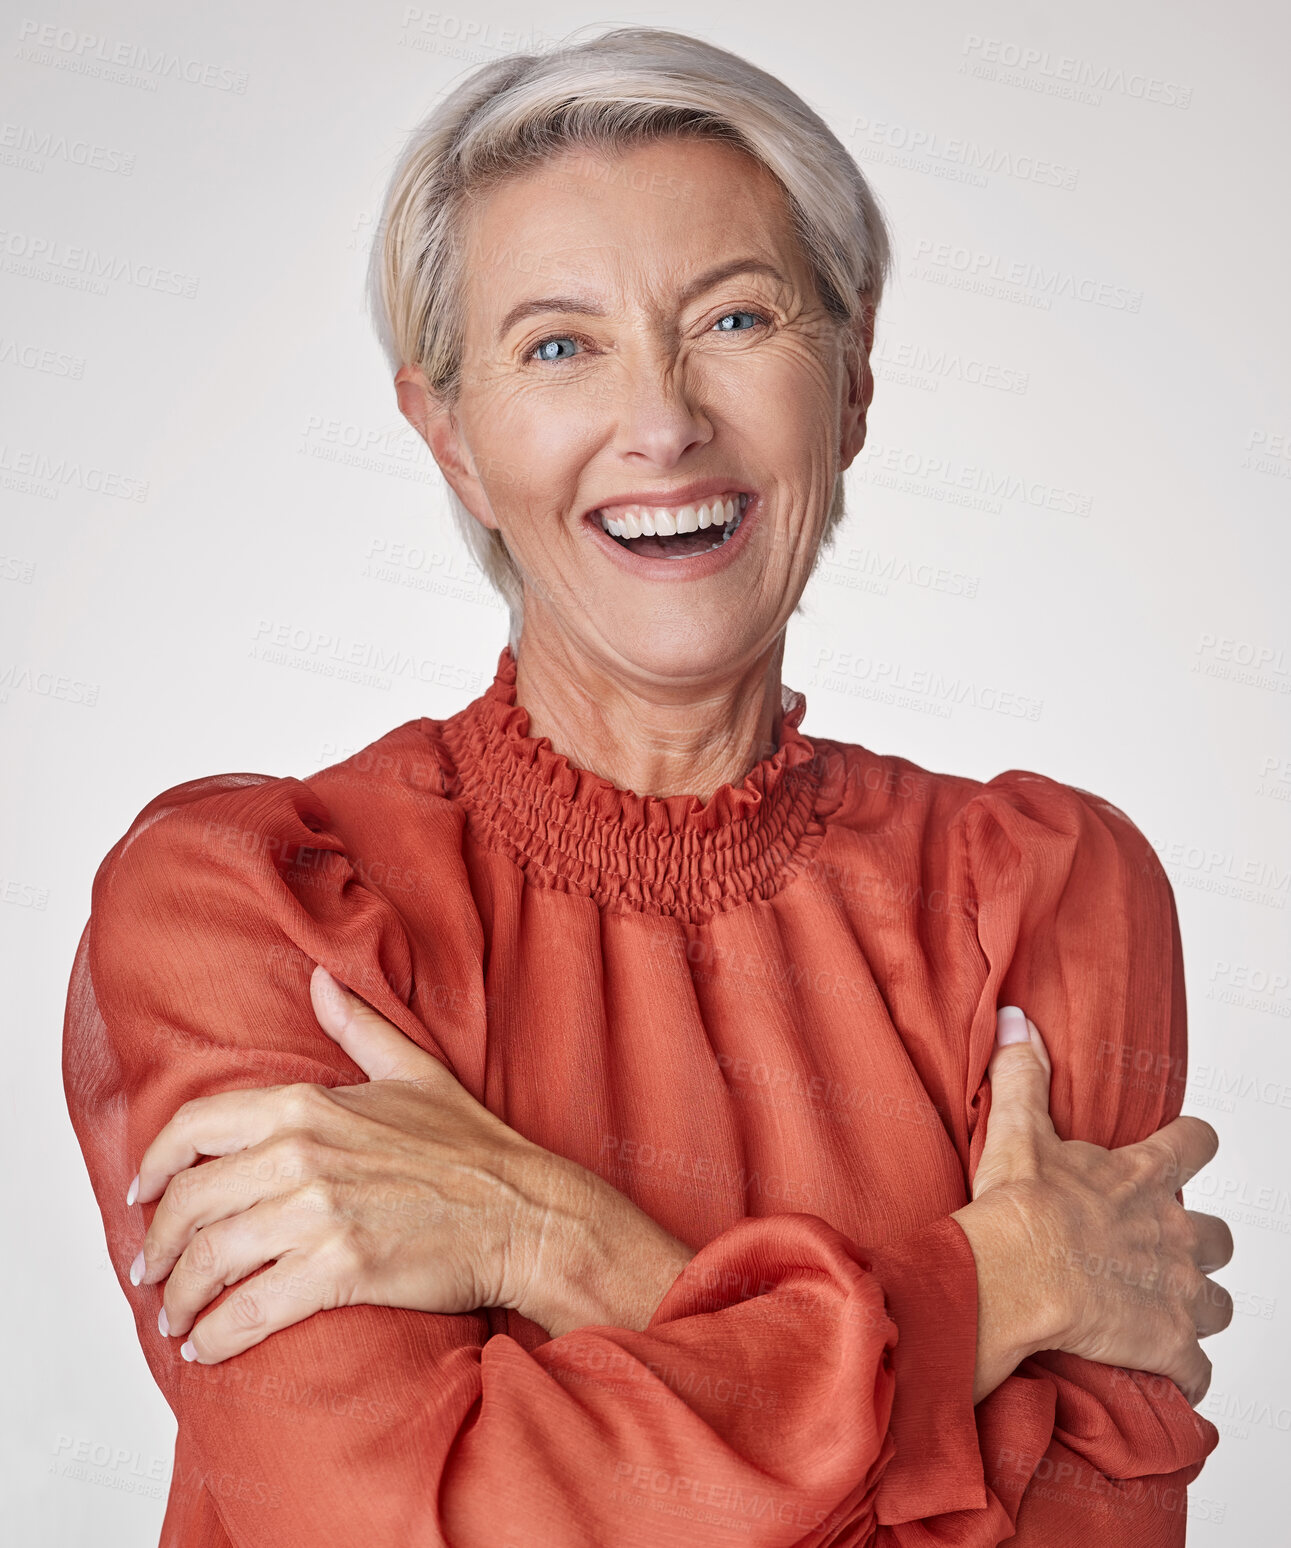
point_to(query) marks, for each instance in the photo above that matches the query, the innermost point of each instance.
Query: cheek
(554, 423)
(785, 402)
(528, 452)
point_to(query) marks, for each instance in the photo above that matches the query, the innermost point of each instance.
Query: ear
(858, 341)
(433, 420)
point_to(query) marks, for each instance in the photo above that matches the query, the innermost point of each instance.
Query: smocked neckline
(573, 830)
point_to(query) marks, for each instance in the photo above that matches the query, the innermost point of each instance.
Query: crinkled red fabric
(766, 1018)
(576, 832)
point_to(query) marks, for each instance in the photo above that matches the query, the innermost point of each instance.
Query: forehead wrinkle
(754, 203)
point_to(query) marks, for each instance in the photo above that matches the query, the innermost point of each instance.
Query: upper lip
(684, 494)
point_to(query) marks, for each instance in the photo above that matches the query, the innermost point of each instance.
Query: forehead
(644, 218)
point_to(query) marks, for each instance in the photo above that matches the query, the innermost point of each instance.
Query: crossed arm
(405, 1191)
(402, 1191)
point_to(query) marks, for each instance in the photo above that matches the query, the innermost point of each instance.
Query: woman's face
(643, 335)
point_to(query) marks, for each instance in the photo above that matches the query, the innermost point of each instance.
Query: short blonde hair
(627, 86)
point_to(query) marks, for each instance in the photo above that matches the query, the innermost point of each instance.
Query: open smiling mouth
(676, 532)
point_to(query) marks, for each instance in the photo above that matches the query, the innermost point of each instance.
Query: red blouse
(766, 1019)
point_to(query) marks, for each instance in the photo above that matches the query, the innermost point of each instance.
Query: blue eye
(721, 325)
(544, 351)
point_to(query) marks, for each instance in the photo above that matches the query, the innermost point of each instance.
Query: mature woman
(557, 1123)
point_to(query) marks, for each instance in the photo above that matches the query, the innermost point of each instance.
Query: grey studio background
(223, 550)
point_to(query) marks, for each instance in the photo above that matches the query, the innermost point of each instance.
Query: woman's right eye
(547, 349)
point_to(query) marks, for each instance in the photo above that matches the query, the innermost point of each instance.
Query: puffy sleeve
(758, 1407)
(1076, 923)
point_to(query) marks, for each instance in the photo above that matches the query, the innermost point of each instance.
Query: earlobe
(853, 442)
(855, 414)
(433, 420)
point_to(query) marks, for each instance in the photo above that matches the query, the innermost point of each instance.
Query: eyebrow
(587, 308)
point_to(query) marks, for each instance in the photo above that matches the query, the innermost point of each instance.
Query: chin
(682, 648)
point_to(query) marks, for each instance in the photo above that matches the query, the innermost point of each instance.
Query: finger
(201, 1195)
(285, 1293)
(215, 1125)
(223, 1253)
(1214, 1241)
(1181, 1149)
(379, 1049)
(1193, 1373)
(1019, 1074)
(1212, 1309)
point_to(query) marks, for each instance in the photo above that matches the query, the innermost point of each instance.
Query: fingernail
(136, 1270)
(134, 1191)
(1011, 1026)
(335, 992)
(163, 1326)
(187, 1350)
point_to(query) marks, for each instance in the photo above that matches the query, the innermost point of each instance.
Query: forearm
(593, 1259)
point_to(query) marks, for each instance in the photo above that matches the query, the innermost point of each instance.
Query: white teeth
(664, 521)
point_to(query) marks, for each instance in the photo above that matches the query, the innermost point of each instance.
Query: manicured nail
(187, 1350)
(334, 989)
(337, 999)
(134, 1191)
(163, 1326)
(1011, 1026)
(136, 1270)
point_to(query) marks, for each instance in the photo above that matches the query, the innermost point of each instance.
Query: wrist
(593, 1258)
(1018, 1313)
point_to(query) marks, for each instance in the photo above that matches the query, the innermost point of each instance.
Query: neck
(651, 738)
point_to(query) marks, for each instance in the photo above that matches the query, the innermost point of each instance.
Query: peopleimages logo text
(89, 48)
(1053, 283)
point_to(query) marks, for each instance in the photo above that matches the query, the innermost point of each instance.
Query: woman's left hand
(403, 1191)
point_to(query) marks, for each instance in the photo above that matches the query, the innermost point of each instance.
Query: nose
(660, 415)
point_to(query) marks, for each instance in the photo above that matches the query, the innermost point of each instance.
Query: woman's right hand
(1084, 1249)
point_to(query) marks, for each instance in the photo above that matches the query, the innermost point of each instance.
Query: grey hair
(628, 85)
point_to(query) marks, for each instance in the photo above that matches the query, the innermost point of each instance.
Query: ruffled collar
(575, 831)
